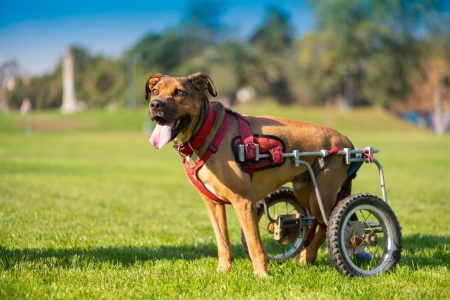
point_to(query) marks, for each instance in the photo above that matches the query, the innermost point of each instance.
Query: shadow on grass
(125, 256)
(418, 251)
(425, 250)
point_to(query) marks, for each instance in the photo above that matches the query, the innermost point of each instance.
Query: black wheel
(364, 237)
(282, 202)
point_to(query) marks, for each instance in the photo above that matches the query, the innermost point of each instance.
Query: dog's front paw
(224, 267)
(307, 258)
(261, 274)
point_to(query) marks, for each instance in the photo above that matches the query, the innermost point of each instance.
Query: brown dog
(178, 105)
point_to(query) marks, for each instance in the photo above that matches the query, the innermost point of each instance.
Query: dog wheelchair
(363, 233)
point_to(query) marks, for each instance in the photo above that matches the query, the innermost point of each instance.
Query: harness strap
(368, 155)
(192, 172)
(277, 155)
(198, 140)
(248, 140)
(334, 150)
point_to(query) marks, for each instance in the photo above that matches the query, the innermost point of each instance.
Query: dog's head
(175, 104)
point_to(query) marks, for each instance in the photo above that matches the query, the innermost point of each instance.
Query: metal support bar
(266, 212)
(382, 183)
(357, 154)
(296, 153)
(347, 155)
(316, 190)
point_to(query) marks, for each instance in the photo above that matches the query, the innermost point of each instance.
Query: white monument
(69, 103)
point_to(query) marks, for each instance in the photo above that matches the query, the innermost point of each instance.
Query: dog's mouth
(166, 130)
(180, 125)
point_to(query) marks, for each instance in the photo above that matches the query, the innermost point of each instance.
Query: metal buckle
(177, 147)
(194, 154)
(193, 150)
(242, 152)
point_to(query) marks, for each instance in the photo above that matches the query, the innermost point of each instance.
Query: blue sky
(36, 32)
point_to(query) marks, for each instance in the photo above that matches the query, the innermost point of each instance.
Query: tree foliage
(361, 51)
(369, 50)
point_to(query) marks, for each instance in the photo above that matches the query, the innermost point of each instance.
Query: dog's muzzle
(157, 105)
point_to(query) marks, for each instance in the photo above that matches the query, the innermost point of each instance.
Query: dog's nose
(156, 104)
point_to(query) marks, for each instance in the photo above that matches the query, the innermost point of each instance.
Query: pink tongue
(161, 135)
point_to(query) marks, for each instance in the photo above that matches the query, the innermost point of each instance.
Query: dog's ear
(202, 82)
(151, 82)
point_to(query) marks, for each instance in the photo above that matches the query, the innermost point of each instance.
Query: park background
(89, 210)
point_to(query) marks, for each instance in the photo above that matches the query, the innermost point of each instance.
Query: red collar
(187, 148)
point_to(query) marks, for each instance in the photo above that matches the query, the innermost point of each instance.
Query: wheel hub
(371, 239)
(271, 228)
(357, 241)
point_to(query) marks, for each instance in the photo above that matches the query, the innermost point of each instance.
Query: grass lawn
(89, 210)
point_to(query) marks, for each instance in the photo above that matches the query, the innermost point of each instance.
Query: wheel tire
(279, 195)
(345, 210)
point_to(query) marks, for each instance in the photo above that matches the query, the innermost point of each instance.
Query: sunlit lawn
(89, 210)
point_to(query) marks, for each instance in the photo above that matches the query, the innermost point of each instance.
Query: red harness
(188, 148)
(267, 145)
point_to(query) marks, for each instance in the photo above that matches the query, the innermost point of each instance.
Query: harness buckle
(180, 147)
(177, 148)
(249, 151)
(213, 148)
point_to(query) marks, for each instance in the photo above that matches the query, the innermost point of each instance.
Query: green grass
(89, 210)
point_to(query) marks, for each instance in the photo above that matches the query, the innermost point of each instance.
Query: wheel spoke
(364, 217)
(353, 228)
(369, 214)
(365, 222)
(294, 209)
(377, 251)
(361, 244)
(371, 250)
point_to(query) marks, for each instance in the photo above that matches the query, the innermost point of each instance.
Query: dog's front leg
(218, 218)
(246, 213)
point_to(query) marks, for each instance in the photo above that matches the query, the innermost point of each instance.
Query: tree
(98, 81)
(8, 70)
(104, 82)
(272, 44)
(431, 93)
(202, 21)
(275, 35)
(161, 52)
(232, 65)
(370, 49)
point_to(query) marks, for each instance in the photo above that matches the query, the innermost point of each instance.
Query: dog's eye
(179, 93)
(155, 92)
